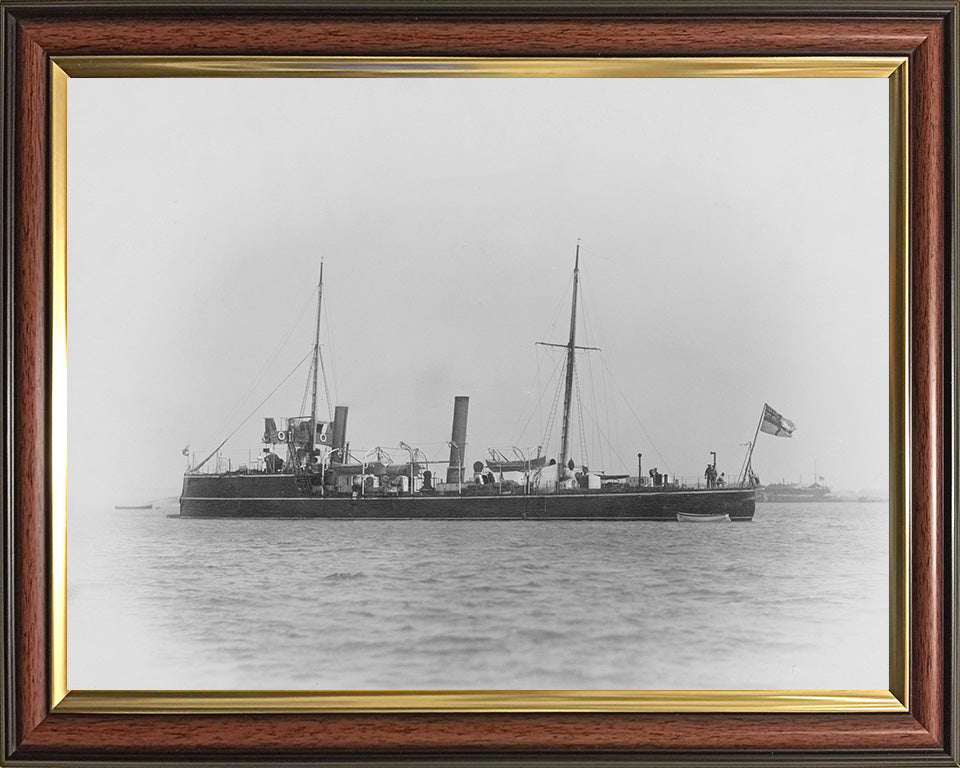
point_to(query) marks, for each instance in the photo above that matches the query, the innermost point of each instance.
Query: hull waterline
(277, 496)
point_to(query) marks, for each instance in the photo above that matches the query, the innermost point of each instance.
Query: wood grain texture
(29, 365)
(304, 735)
(919, 734)
(424, 37)
(927, 310)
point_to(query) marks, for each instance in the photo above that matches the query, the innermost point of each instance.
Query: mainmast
(571, 361)
(571, 347)
(316, 366)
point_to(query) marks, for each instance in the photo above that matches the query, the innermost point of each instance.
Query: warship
(307, 469)
(795, 493)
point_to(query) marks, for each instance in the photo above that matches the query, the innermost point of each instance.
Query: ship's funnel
(339, 445)
(458, 440)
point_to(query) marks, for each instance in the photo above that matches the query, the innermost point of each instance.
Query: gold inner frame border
(894, 69)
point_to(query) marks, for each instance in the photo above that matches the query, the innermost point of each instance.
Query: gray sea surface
(796, 599)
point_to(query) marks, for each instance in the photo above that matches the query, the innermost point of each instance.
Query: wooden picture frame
(41, 726)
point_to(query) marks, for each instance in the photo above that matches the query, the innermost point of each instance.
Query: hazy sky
(734, 251)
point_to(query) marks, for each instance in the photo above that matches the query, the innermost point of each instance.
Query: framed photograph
(461, 383)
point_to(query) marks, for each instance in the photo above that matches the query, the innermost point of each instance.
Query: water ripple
(796, 599)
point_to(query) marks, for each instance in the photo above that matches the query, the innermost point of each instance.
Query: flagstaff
(772, 423)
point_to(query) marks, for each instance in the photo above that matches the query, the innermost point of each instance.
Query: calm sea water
(795, 599)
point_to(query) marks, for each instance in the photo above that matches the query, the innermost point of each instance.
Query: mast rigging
(316, 366)
(571, 361)
(569, 378)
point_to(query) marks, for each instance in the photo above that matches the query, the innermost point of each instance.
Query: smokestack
(339, 445)
(459, 439)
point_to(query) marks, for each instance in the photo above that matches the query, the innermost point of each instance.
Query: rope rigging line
(602, 341)
(333, 351)
(593, 386)
(326, 388)
(523, 405)
(583, 433)
(266, 366)
(606, 397)
(539, 399)
(606, 409)
(551, 419)
(306, 389)
(613, 450)
(556, 313)
(253, 412)
(537, 411)
(593, 401)
(553, 413)
(606, 401)
(640, 423)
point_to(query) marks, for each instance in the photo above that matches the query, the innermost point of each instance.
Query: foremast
(316, 367)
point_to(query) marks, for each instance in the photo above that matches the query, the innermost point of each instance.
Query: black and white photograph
(442, 383)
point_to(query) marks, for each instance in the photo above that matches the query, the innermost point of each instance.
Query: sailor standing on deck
(711, 475)
(272, 462)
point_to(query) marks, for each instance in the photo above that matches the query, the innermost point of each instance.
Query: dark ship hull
(277, 496)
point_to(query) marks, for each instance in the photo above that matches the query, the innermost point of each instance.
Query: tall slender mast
(571, 361)
(316, 366)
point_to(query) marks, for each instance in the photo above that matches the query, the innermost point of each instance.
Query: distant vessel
(794, 493)
(133, 506)
(321, 477)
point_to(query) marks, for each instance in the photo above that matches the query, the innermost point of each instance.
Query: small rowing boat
(686, 517)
